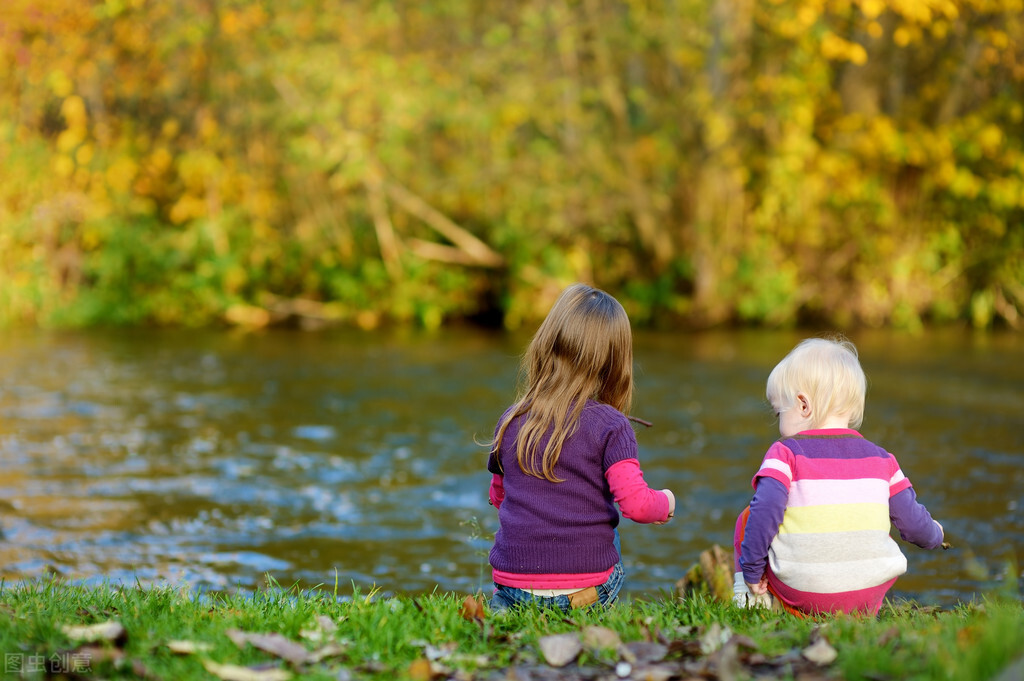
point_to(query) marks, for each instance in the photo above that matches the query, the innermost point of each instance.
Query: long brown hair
(582, 350)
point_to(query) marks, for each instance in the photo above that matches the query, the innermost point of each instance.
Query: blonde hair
(582, 350)
(828, 372)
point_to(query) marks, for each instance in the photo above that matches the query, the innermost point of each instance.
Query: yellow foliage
(187, 208)
(73, 111)
(63, 166)
(160, 160)
(68, 139)
(807, 15)
(965, 183)
(991, 140)
(872, 9)
(170, 128)
(60, 84)
(121, 173)
(84, 154)
(837, 49)
(229, 23)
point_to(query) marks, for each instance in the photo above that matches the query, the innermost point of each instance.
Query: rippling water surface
(217, 459)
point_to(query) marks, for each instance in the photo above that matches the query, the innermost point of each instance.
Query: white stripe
(778, 465)
(897, 478)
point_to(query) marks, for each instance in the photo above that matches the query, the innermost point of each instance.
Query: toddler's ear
(803, 403)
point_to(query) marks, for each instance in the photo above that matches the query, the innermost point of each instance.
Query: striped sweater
(835, 494)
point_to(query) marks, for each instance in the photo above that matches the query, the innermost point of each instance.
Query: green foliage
(766, 162)
(172, 633)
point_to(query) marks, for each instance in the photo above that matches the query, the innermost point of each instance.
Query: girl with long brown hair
(563, 455)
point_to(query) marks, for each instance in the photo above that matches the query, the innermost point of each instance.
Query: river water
(217, 459)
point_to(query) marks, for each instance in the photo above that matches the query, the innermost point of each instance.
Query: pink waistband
(552, 581)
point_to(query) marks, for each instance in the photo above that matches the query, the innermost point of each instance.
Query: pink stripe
(899, 487)
(827, 492)
(769, 473)
(844, 469)
(551, 581)
(863, 600)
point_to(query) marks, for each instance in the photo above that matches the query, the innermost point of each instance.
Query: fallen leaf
(234, 672)
(646, 652)
(600, 638)
(324, 625)
(84, 658)
(112, 631)
(657, 672)
(560, 649)
(433, 652)
(714, 638)
(745, 642)
(473, 608)
(275, 644)
(324, 652)
(820, 652)
(420, 670)
(189, 647)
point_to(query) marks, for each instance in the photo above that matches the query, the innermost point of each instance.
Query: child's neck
(834, 421)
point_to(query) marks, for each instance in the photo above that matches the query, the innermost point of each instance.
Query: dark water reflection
(215, 459)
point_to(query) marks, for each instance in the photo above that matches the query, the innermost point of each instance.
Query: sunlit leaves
(710, 157)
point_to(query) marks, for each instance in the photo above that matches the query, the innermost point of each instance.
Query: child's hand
(760, 588)
(671, 506)
(945, 544)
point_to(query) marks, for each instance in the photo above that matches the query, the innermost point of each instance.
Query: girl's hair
(828, 372)
(582, 350)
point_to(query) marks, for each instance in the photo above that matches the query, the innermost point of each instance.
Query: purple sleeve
(766, 511)
(913, 520)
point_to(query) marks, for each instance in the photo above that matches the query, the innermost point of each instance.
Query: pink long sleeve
(636, 500)
(497, 491)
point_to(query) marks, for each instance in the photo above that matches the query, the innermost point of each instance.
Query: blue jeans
(506, 597)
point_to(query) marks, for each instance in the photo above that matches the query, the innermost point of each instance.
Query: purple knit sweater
(563, 527)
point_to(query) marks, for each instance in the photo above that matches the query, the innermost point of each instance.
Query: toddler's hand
(671, 506)
(760, 588)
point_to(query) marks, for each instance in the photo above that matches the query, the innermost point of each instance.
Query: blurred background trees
(360, 161)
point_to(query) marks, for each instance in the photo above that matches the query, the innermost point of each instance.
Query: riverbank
(54, 629)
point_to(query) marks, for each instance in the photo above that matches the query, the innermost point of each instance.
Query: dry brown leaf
(560, 649)
(657, 672)
(84, 657)
(112, 631)
(714, 638)
(600, 638)
(820, 652)
(440, 652)
(324, 652)
(473, 608)
(234, 672)
(324, 626)
(645, 652)
(275, 644)
(420, 670)
(189, 647)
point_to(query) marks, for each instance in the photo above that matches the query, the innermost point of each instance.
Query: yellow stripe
(835, 518)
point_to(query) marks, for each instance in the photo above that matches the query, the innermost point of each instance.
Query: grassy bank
(66, 631)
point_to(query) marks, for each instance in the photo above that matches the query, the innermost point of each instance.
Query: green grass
(433, 636)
